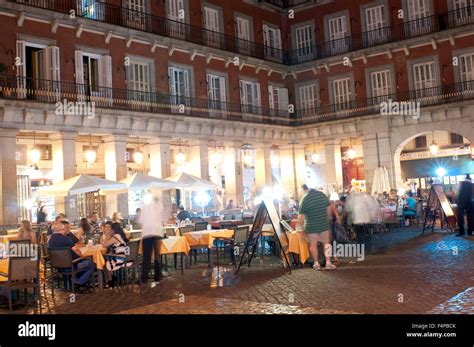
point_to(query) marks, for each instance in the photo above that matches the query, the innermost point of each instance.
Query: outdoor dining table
(218, 223)
(298, 245)
(6, 238)
(205, 238)
(97, 253)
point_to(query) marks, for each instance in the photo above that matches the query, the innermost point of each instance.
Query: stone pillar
(232, 169)
(374, 153)
(115, 149)
(198, 158)
(293, 169)
(8, 177)
(332, 151)
(64, 166)
(263, 168)
(160, 166)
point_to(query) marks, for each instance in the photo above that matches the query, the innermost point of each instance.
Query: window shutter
(243, 95)
(105, 75)
(171, 72)
(186, 76)
(270, 96)
(283, 98)
(222, 89)
(79, 67)
(21, 69)
(257, 101)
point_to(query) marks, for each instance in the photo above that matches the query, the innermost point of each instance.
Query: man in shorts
(314, 216)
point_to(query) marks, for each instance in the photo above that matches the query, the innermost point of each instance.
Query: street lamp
(180, 157)
(137, 154)
(35, 153)
(91, 154)
(434, 148)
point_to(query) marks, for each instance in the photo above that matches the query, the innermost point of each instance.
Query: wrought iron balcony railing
(116, 15)
(285, 4)
(45, 91)
(52, 92)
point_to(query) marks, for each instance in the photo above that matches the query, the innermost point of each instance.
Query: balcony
(36, 90)
(120, 16)
(286, 4)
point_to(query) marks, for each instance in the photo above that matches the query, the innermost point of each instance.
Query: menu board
(265, 210)
(441, 195)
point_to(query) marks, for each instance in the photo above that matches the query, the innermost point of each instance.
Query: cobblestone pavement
(431, 273)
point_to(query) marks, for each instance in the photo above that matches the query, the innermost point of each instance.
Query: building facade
(249, 94)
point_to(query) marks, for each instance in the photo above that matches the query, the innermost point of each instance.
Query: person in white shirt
(152, 233)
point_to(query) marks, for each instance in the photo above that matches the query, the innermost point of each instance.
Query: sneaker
(330, 266)
(317, 266)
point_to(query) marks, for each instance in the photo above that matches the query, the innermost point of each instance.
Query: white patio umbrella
(381, 182)
(81, 184)
(184, 181)
(190, 182)
(139, 181)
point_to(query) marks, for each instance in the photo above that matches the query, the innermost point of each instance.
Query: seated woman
(25, 232)
(409, 210)
(115, 241)
(84, 228)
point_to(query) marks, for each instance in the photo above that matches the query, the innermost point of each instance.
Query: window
(278, 98)
(138, 81)
(272, 41)
(420, 142)
(46, 151)
(424, 78)
(175, 12)
(463, 11)
(216, 91)
(342, 93)
(337, 33)
(211, 23)
(308, 98)
(418, 17)
(242, 27)
(250, 96)
(375, 22)
(380, 83)
(304, 42)
(456, 139)
(93, 74)
(136, 15)
(179, 85)
(39, 70)
(466, 66)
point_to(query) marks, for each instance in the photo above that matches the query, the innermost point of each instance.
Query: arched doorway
(437, 155)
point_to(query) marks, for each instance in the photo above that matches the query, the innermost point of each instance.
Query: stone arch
(400, 139)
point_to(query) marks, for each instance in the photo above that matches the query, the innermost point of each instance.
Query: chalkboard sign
(437, 200)
(265, 210)
(441, 195)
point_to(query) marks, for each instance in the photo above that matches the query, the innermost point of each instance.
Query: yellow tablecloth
(206, 237)
(4, 266)
(298, 245)
(180, 245)
(6, 238)
(97, 255)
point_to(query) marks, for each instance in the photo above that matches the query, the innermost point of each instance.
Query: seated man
(68, 232)
(183, 214)
(84, 267)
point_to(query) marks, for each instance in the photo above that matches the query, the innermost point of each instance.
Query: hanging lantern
(35, 155)
(180, 157)
(138, 157)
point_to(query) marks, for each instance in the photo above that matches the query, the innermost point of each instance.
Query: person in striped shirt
(313, 214)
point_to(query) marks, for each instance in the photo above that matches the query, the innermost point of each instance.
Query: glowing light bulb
(35, 155)
(138, 157)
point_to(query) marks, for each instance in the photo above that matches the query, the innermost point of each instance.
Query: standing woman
(25, 232)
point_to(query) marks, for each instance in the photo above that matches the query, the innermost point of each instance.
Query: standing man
(313, 215)
(465, 206)
(152, 233)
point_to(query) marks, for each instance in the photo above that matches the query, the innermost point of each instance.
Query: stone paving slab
(425, 274)
(463, 303)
